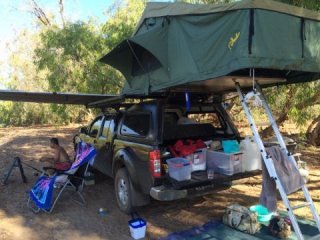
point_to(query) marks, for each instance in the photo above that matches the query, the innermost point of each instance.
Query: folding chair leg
(81, 201)
(34, 208)
(57, 198)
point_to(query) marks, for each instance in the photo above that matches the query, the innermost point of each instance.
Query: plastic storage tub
(198, 160)
(224, 163)
(179, 169)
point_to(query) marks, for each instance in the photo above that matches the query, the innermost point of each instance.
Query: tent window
(147, 62)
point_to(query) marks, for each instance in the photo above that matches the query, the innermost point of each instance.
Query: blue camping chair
(48, 189)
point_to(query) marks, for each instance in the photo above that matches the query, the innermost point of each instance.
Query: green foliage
(205, 1)
(122, 22)
(70, 56)
(310, 4)
(65, 58)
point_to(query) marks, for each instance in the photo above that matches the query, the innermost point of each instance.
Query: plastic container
(224, 163)
(137, 228)
(230, 146)
(198, 160)
(179, 169)
(251, 159)
(263, 214)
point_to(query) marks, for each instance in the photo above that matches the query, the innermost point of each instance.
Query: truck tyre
(123, 190)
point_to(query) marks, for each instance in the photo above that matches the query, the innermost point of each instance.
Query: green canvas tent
(208, 47)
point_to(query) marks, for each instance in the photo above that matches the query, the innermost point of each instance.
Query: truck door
(103, 143)
(93, 131)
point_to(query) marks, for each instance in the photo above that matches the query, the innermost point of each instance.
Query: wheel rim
(123, 191)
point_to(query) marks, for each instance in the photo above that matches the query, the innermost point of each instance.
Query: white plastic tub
(224, 163)
(179, 169)
(198, 160)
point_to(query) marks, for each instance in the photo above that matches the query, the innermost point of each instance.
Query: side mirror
(83, 130)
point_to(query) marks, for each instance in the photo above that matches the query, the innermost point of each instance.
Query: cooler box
(198, 160)
(179, 169)
(224, 163)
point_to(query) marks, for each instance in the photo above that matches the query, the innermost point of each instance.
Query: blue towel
(41, 193)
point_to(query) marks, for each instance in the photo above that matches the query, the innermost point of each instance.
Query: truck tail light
(155, 163)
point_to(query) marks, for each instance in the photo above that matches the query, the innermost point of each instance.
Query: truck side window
(95, 127)
(106, 126)
(136, 125)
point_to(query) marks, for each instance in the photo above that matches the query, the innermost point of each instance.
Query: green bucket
(263, 214)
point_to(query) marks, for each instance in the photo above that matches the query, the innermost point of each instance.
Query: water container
(251, 158)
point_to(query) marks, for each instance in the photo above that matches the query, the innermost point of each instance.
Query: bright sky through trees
(15, 16)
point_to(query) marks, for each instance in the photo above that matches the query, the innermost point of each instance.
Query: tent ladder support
(269, 162)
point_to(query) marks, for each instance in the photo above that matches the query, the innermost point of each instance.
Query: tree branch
(39, 13)
(62, 13)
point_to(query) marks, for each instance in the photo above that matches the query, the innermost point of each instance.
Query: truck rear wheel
(123, 189)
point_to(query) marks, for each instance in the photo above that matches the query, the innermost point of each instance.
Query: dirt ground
(72, 221)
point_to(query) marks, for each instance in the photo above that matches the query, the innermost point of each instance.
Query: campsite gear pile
(248, 220)
(226, 157)
(277, 170)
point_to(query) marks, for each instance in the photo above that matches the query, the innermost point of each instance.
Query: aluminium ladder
(268, 160)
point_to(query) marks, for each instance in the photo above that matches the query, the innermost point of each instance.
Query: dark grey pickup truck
(133, 142)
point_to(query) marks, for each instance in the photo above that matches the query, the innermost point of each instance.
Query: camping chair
(48, 189)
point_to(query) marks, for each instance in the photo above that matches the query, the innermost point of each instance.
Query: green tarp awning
(208, 47)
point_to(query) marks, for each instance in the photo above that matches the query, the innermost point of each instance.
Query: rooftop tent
(207, 47)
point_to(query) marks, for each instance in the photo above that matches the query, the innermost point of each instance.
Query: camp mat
(216, 230)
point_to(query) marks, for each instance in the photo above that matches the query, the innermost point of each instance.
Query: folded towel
(288, 174)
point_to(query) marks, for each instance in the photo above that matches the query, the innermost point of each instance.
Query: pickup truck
(133, 139)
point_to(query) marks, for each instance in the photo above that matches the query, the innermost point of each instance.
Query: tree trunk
(283, 116)
(313, 132)
(61, 10)
(315, 99)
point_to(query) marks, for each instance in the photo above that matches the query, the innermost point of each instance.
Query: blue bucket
(137, 227)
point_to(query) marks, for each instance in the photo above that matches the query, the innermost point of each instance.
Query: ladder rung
(315, 237)
(301, 206)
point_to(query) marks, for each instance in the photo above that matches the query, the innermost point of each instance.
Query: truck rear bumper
(164, 194)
